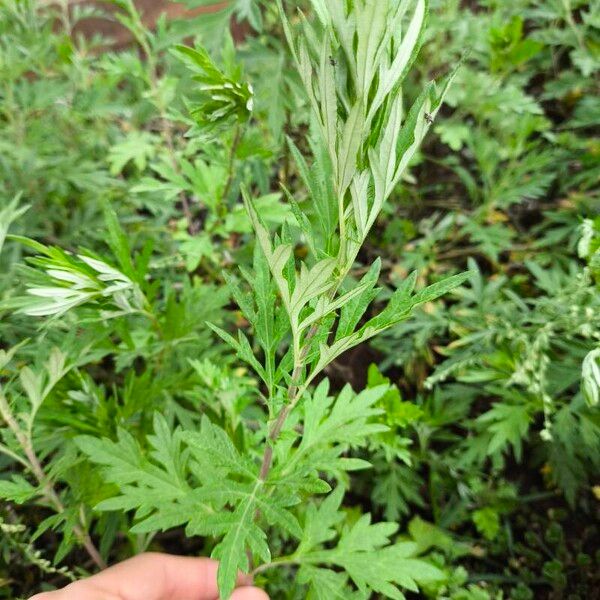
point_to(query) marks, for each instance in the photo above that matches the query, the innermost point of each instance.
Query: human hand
(154, 576)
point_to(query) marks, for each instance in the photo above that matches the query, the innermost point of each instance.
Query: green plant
(355, 95)
(359, 110)
(165, 192)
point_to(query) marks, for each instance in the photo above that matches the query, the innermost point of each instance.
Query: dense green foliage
(291, 303)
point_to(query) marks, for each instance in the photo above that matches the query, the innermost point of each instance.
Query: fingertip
(249, 593)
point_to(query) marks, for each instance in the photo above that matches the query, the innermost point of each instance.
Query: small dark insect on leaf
(332, 61)
(428, 118)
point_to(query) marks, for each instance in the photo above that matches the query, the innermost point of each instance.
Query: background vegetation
(491, 459)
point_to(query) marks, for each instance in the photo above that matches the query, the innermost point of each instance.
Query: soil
(150, 10)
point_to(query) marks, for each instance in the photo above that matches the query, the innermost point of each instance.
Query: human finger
(249, 593)
(149, 576)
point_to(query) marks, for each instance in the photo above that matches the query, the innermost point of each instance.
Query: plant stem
(294, 390)
(294, 394)
(49, 492)
(279, 562)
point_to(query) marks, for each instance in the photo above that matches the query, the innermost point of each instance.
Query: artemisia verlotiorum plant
(284, 478)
